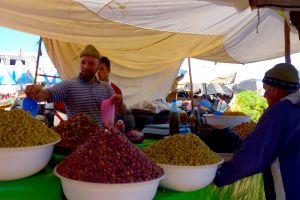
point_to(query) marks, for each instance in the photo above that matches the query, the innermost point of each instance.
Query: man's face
(103, 72)
(88, 66)
(270, 94)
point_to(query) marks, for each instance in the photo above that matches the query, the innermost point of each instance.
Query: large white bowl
(188, 178)
(79, 190)
(224, 121)
(21, 162)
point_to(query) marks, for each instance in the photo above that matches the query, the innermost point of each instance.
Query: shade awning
(148, 40)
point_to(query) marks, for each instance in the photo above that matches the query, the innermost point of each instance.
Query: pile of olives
(76, 130)
(244, 129)
(108, 157)
(185, 150)
(19, 129)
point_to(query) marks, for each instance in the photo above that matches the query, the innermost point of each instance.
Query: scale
(163, 129)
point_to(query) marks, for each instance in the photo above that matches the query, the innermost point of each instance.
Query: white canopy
(148, 40)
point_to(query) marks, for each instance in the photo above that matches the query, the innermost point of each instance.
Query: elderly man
(82, 94)
(273, 146)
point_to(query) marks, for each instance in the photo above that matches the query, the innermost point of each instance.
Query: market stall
(147, 42)
(146, 54)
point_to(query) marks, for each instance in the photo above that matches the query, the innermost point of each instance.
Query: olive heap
(184, 150)
(109, 157)
(76, 130)
(19, 129)
(233, 113)
(244, 129)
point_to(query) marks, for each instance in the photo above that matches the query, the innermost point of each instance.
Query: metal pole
(191, 83)
(287, 42)
(38, 60)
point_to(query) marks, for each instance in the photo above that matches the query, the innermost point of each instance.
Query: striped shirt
(81, 97)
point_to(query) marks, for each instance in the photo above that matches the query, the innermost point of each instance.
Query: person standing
(222, 105)
(83, 94)
(103, 74)
(273, 146)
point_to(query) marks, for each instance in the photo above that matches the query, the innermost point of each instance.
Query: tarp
(229, 79)
(214, 88)
(249, 84)
(148, 40)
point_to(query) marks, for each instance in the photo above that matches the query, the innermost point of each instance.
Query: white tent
(148, 40)
(5, 77)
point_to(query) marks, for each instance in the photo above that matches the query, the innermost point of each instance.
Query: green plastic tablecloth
(250, 188)
(42, 186)
(45, 186)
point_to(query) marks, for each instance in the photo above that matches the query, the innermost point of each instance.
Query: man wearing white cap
(273, 146)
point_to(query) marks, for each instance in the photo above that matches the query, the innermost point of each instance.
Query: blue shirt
(80, 96)
(206, 103)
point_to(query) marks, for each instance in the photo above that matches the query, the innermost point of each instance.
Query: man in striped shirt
(83, 94)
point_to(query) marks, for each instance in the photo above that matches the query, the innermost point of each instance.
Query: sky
(12, 40)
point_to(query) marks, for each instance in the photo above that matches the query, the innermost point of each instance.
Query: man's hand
(117, 99)
(121, 108)
(37, 92)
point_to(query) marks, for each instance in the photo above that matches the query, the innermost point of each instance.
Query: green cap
(90, 50)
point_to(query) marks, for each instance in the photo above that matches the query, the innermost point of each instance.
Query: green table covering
(247, 188)
(45, 186)
(42, 186)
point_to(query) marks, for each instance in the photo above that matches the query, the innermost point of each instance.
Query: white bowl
(21, 162)
(188, 178)
(224, 121)
(79, 190)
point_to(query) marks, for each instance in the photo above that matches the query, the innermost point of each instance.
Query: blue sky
(12, 40)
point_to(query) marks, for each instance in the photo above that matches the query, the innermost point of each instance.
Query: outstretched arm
(37, 92)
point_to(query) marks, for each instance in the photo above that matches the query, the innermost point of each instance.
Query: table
(247, 188)
(44, 185)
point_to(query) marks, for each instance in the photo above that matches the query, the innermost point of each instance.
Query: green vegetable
(251, 104)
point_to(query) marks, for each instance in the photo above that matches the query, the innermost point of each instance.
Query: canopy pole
(38, 60)
(287, 42)
(191, 83)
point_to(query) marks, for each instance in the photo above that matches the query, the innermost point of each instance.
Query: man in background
(103, 74)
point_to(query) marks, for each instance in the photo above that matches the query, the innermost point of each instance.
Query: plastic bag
(108, 112)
